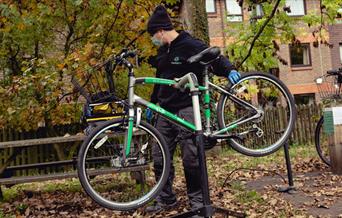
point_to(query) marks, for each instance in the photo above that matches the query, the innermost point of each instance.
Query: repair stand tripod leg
(290, 188)
(207, 210)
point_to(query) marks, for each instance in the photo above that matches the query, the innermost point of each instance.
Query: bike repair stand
(207, 210)
(290, 189)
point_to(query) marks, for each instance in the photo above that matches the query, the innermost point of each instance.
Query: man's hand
(234, 76)
(149, 115)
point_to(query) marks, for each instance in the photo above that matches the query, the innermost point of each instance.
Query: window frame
(308, 45)
(305, 10)
(228, 15)
(215, 9)
(311, 97)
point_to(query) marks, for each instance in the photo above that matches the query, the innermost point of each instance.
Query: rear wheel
(120, 183)
(321, 142)
(267, 133)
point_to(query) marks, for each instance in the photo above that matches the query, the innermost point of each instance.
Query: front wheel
(266, 96)
(119, 181)
(321, 142)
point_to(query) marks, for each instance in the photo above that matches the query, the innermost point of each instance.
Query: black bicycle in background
(329, 87)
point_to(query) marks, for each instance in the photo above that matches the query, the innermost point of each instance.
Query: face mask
(157, 42)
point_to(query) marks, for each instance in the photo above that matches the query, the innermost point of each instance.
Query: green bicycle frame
(160, 110)
(132, 99)
(197, 126)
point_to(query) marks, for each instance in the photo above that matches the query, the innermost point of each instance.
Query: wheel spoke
(274, 109)
(122, 183)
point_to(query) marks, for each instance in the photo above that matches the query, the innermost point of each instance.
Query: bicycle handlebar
(335, 72)
(120, 58)
(126, 54)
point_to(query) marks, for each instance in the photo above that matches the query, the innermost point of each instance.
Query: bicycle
(128, 142)
(329, 88)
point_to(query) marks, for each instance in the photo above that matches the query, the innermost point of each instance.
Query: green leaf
(77, 2)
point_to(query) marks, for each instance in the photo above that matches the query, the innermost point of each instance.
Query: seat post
(206, 104)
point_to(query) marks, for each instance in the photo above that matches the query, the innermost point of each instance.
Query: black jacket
(171, 63)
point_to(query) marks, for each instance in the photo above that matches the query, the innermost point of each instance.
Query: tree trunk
(193, 17)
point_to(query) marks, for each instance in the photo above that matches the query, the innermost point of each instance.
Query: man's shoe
(159, 206)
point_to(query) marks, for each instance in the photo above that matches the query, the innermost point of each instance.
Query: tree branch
(260, 32)
(110, 29)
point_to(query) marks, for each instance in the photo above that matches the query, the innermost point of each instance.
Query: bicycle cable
(252, 169)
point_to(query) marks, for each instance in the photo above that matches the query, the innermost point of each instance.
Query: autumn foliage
(44, 42)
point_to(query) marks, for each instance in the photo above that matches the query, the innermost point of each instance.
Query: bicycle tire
(324, 158)
(100, 152)
(272, 83)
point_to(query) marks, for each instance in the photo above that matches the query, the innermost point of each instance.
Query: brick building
(305, 62)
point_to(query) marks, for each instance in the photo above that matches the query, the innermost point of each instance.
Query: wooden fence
(36, 154)
(307, 117)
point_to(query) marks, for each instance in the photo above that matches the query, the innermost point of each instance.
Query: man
(174, 49)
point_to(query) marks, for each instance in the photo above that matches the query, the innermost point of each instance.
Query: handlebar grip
(333, 72)
(126, 54)
(121, 58)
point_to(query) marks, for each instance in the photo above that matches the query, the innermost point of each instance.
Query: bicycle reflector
(319, 80)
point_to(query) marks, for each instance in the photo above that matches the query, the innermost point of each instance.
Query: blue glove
(234, 76)
(149, 115)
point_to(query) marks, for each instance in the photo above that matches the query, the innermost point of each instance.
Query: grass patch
(3, 215)
(67, 185)
(296, 151)
(21, 208)
(72, 185)
(246, 197)
(238, 186)
(10, 193)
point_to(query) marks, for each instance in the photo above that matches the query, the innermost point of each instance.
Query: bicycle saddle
(206, 56)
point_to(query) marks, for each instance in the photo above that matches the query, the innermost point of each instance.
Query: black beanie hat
(159, 20)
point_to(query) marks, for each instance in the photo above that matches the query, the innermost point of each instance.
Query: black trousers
(173, 135)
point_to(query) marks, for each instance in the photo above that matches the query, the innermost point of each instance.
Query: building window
(341, 53)
(234, 11)
(300, 55)
(210, 6)
(301, 99)
(297, 7)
